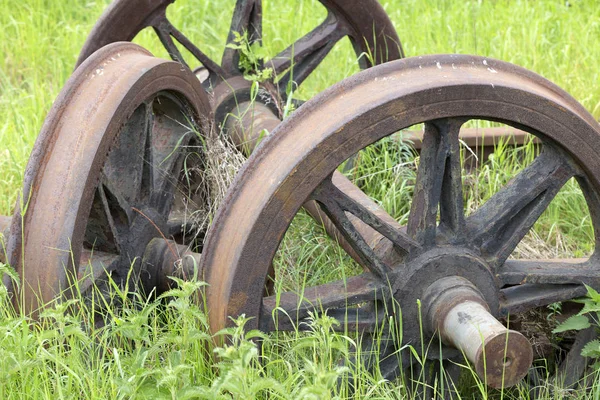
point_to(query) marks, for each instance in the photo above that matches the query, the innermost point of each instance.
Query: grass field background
(165, 355)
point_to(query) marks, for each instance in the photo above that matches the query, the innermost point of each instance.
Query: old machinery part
(298, 163)
(456, 310)
(101, 181)
(364, 22)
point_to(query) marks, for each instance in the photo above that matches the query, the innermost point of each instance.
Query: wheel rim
(102, 165)
(444, 91)
(365, 23)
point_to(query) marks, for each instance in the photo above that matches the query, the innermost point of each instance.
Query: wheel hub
(459, 302)
(412, 280)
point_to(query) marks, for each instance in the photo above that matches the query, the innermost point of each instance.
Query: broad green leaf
(576, 322)
(591, 349)
(593, 294)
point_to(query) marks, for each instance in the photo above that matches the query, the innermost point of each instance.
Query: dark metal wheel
(101, 180)
(441, 249)
(365, 23)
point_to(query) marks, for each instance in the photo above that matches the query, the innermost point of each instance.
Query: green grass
(161, 348)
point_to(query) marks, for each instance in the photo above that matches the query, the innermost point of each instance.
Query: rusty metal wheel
(102, 177)
(442, 254)
(365, 23)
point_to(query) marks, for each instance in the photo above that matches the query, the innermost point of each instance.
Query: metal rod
(458, 312)
(478, 137)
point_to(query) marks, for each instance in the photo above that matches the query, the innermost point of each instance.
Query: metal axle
(457, 311)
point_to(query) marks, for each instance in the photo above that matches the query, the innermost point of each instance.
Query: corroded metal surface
(118, 207)
(296, 163)
(365, 23)
(250, 122)
(103, 171)
(166, 258)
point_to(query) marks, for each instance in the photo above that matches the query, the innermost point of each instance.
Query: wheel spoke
(593, 203)
(452, 211)
(119, 213)
(517, 299)
(168, 135)
(94, 265)
(247, 18)
(502, 222)
(168, 43)
(371, 214)
(130, 143)
(379, 349)
(438, 177)
(390, 253)
(579, 271)
(120, 188)
(291, 307)
(301, 58)
(335, 203)
(437, 379)
(179, 223)
(148, 185)
(167, 30)
(103, 232)
(572, 369)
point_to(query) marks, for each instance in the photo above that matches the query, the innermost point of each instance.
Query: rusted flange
(101, 180)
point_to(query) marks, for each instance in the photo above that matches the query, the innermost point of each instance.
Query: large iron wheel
(298, 164)
(101, 180)
(365, 23)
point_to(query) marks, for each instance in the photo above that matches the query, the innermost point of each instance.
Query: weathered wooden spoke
(246, 20)
(166, 151)
(433, 379)
(165, 31)
(167, 41)
(439, 183)
(335, 204)
(94, 266)
(519, 298)
(132, 143)
(515, 272)
(300, 59)
(109, 221)
(502, 222)
(335, 190)
(147, 186)
(345, 299)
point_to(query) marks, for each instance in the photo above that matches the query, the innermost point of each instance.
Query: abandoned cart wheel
(457, 264)
(101, 180)
(365, 23)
